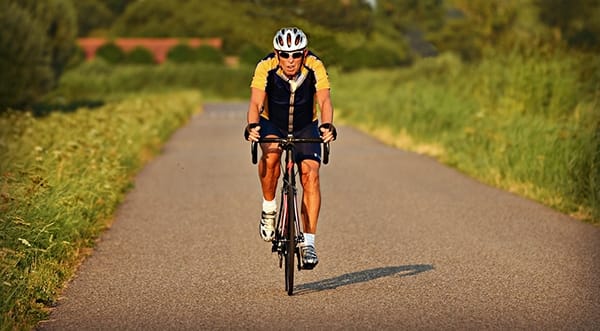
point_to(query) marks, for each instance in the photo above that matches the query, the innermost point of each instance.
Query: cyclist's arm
(325, 105)
(257, 98)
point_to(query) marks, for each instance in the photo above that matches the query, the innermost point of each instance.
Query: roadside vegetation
(98, 80)
(506, 91)
(529, 125)
(62, 176)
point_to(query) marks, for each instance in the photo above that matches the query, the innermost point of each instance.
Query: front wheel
(290, 246)
(289, 263)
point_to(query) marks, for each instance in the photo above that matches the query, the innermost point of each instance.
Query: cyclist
(287, 87)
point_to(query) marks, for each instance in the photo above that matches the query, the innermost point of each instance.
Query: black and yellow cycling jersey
(290, 103)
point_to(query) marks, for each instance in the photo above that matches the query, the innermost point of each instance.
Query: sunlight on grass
(525, 124)
(61, 178)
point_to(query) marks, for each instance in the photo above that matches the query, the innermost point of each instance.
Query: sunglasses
(295, 55)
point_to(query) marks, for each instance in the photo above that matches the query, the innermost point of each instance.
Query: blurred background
(39, 39)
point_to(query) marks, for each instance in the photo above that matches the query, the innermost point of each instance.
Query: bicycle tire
(290, 249)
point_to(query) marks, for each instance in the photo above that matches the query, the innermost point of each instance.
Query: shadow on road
(361, 277)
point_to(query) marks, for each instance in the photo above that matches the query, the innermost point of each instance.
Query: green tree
(407, 22)
(489, 20)
(205, 19)
(117, 7)
(58, 19)
(155, 18)
(341, 15)
(426, 15)
(470, 27)
(230, 19)
(25, 71)
(41, 37)
(92, 15)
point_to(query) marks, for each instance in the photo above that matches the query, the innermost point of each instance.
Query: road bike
(288, 233)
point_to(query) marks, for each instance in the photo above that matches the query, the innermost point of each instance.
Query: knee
(310, 176)
(270, 158)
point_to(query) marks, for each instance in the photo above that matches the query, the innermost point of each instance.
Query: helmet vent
(289, 40)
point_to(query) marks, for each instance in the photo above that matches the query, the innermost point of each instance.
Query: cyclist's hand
(251, 132)
(328, 132)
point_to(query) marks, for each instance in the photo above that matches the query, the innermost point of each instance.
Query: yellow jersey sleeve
(320, 73)
(259, 80)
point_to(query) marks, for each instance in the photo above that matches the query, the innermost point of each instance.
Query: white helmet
(289, 40)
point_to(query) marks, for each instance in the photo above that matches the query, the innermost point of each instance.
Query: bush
(182, 53)
(209, 54)
(96, 80)
(377, 57)
(111, 53)
(77, 58)
(140, 55)
(251, 54)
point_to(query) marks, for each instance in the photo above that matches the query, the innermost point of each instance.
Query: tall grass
(61, 178)
(530, 125)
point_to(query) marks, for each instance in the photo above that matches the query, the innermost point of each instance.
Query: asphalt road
(403, 242)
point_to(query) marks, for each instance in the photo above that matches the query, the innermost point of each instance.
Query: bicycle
(288, 234)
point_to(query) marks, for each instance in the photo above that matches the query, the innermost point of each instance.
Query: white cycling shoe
(267, 226)
(309, 257)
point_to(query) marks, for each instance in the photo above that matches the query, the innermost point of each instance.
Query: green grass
(61, 178)
(98, 80)
(530, 125)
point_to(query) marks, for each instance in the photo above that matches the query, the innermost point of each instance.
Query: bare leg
(268, 170)
(311, 200)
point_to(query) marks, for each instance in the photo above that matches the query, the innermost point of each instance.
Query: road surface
(403, 242)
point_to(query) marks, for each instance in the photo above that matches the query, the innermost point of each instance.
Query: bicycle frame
(288, 234)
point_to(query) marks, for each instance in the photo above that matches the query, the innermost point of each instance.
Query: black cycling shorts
(304, 151)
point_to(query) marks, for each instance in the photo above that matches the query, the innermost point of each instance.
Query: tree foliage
(182, 53)
(93, 16)
(58, 19)
(209, 54)
(111, 53)
(406, 14)
(139, 55)
(466, 27)
(25, 72)
(40, 36)
(36, 42)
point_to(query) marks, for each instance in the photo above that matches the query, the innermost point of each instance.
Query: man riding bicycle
(286, 89)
